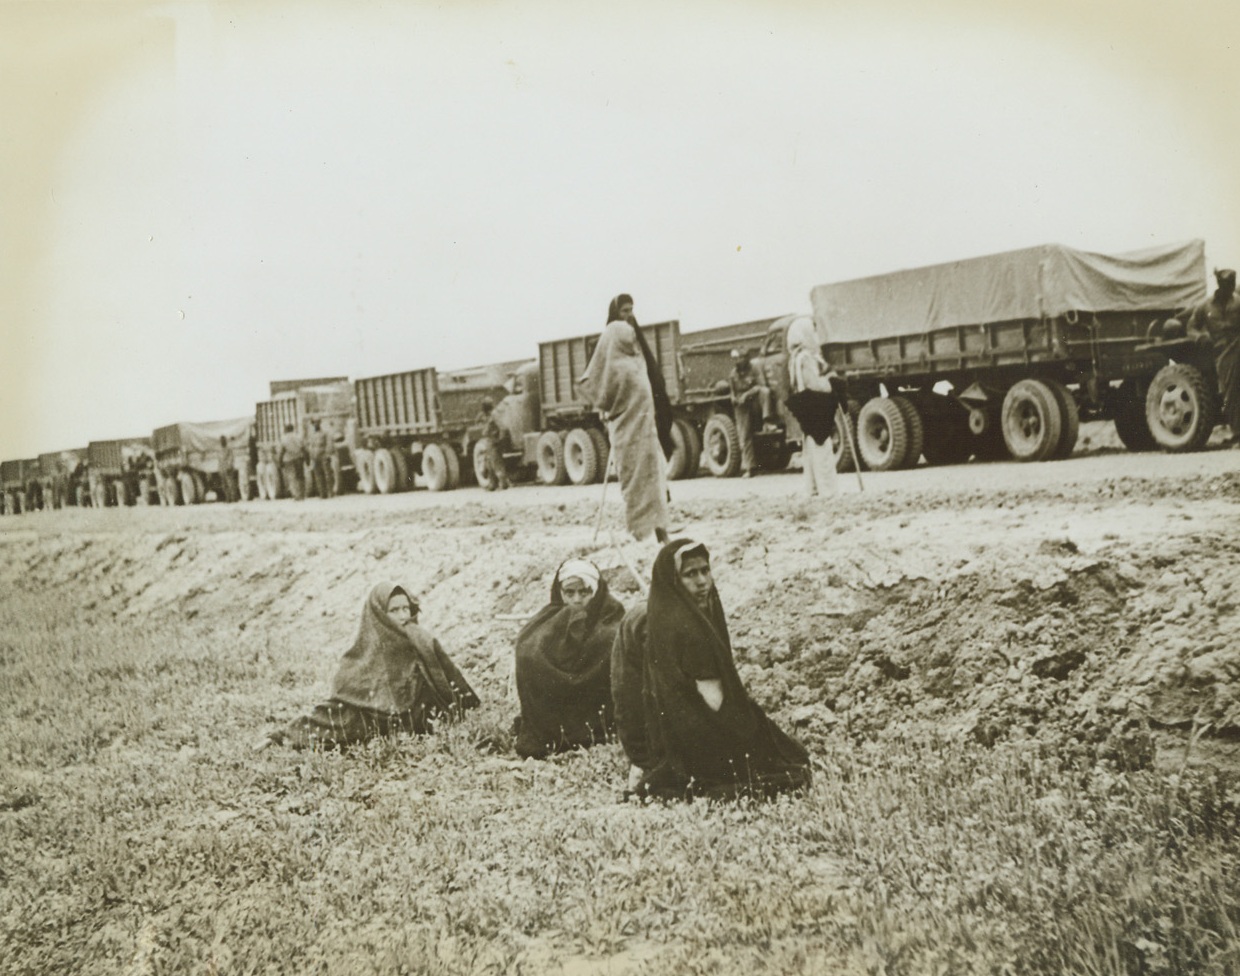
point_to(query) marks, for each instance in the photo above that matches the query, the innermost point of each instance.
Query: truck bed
(562, 361)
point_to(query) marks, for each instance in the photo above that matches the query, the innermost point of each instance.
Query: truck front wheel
(721, 446)
(1181, 408)
(1032, 421)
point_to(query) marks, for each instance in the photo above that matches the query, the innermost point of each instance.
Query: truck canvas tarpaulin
(1033, 283)
(203, 438)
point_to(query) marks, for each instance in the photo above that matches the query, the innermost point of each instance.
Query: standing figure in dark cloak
(563, 664)
(625, 385)
(395, 678)
(705, 735)
(1216, 322)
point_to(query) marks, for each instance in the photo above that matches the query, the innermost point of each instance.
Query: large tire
(581, 458)
(842, 445)
(882, 434)
(916, 431)
(364, 462)
(1131, 427)
(1181, 408)
(403, 462)
(721, 446)
(1070, 427)
(684, 462)
(189, 488)
(550, 454)
(602, 448)
(481, 473)
(387, 475)
(435, 470)
(454, 466)
(1032, 421)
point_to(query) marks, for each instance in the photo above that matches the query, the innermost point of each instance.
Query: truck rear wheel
(1131, 427)
(602, 449)
(1181, 408)
(1032, 421)
(435, 470)
(1071, 420)
(403, 462)
(364, 462)
(687, 453)
(841, 443)
(387, 475)
(550, 452)
(721, 446)
(454, 466)
(580, 457)
(882, 434)
(916, 431)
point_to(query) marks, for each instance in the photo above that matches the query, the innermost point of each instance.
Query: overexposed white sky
(197, 198)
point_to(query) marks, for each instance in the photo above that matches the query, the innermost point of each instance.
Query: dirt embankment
(1108, 608)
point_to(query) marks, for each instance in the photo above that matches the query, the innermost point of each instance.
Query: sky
(199, 198)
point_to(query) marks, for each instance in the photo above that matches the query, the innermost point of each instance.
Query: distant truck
(330, 404)
(16, 481)
(121, 472)
(422, 423)
(60, 473)
(187, 458)
(1004, 355)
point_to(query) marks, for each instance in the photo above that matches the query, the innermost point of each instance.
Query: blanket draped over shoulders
(734, 751)
(563, 673)
(392, 678)
(616, 383)
(628, 654)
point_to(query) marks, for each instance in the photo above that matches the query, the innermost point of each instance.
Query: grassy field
(139, 833)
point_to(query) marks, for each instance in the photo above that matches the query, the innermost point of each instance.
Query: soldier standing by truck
(494, 435)
(292, 459)
(1217, 320)
(227, 474)
(318, 444)
(751, 403)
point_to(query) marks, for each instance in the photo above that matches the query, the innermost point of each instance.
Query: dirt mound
(1097, 609)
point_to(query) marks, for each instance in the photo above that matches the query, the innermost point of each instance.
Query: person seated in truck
(563, 663)
(751, 405)
(700, 733)
(395, 678)
(1216, 322)
(291, 456)
(496, 437)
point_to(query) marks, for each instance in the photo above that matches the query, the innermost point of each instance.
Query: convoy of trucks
(994, 357)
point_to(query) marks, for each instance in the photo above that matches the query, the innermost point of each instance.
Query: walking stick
(842, 417)
(598, 522)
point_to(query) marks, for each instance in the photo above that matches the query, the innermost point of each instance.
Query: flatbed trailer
(1004, 355)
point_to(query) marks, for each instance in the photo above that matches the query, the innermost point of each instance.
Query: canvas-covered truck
(59, 474)
(555, 436)
(188, 456)
(328, 404)
(422, 423)
(1004, 355)
(16, 478)
(121, 472)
